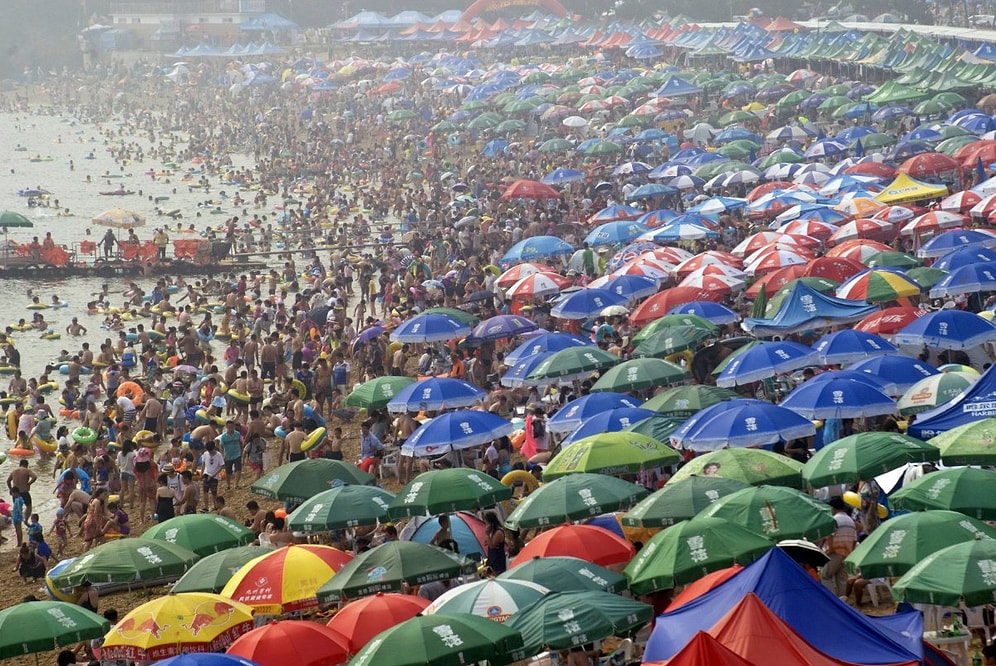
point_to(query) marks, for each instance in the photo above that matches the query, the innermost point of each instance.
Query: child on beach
(17, 514)
(61, 531)
(35, 529)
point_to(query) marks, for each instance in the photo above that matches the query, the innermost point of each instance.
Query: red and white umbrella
(897, 214)
(753, 243)
(645, 266)
(811, 228)
(537, 285)
(723, 284)
(780, 246)
(775, 259)
(519, 271)
(717, 269)
(865, 228)
(857, 250)
(984, 208)
(837, 269)
(775, 280)
(711, 257)
(890, 320)
(671, 254)
(960, 202)
(932, 222)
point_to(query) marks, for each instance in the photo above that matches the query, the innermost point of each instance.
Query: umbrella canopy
(573, 362)
(340, 508)
(715, 313)
(947, 329)
(501, 327)
(434, 394)
(685, 552)
(753, 466)
(202, 533)
(377, 392)
(968, 444)
(685, 401)
(566, 574)
(530, 189)
(546, 342)
(934, 391)
(40, 626)
(454, 431)
(671, 340)
(291, 641)
(896, 545)
(446, 490)
(638, 374)
(680, 500)
(900, 371)
(610, 453)
(119, 218)
(851, 346)
(878, 286)
(753, 363)
(620, 231)
(302, 479)
(537, 285)
(429, 328)
(213, 572)
(838, 398)
(609, 421)
(947, 577)
(590, 543)
(574, 497)
(388, 567)
(536, 247)
(742, 422)
(585, 303)
(494, 599)
(864, 456)
(776, 512)
(577, 411)
(284, 581)
(966, 280)
(173, 624)
(359, 621)
(965, 490)
(127, 561)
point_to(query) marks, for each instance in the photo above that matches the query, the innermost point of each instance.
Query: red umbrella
(865, 228)
(764, 188)
(969, 154)
(896, 214)
(774, 259)
(296, 642)
(662, 302)
(519, 271)
(592, 544)
(530, 189)
(811, 228)
(711, 257)
(926, 165)
(890, 320)
(933, 221)
(537, 284)
(775, 280)
(837, 269)
(878, 169)
(984, 207)
(960, 202)
(359, 621)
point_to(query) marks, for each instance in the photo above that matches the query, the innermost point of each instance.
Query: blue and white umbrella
(546, 342)
(435, 393)
(667, 171)
(717, 313)
(429, 328)
(649, 191)
(965, 256)
(454, 431)
(947, 329)
(627, 286)
(562, 176)
(966, 280)
(632, 169)
(943, 243)
(740, 423)
(577, 411)
(501, 327)
(612, 420)
(686, 182)
(519, 370)
(672, 232)
(537, 247)
(716, 205)
(615, 233)
(882, 384)
(585, 303)
(897, 369)
(850, 346)
(838, 398)
(765, 359)
(826, 148)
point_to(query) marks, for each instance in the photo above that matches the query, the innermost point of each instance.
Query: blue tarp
(677, 87)
(805, 308)
(812, 610)
(978, 403)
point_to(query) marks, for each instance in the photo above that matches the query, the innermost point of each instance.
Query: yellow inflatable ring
(521, 477)
(314, 438)
(239, 398)
(45, 445)
(854, 499)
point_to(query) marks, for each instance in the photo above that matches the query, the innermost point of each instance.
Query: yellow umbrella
(119, 218)
(177, 623)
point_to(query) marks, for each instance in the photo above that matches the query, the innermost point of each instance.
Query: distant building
(164, 24)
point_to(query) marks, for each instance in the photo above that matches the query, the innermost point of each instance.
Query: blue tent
(979, 402)
(677, 87)
(810, 609)
(805, 308)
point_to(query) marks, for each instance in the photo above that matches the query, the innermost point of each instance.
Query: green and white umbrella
(684, 401)
(639, 374)
(203, 533)
(776, 512)
(341, 508)
(127, 561)
(935, 390)
(573, 363)
(376, 393)
(302, 479)
(962, 572)
(40, 626)
(573, 497)
(674, 321)
(753, 466)
(680, 500)
(864, 456)
(610, 453)
(213, 572)
(566, 574)
(971, 444)
(967, 490)
(447, 490)
(491, 598)
(671, 340)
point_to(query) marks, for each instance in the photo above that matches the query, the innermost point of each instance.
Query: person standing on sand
(22, 478)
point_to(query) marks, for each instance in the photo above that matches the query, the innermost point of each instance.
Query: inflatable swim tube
(21, 453)
(314, 438)
(45, 445)
(84, 436)
(241, 398)
(521, 477)
(132, 391)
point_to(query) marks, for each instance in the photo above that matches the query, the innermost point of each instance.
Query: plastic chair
(877, 587)
(389, 462)
(975, 618)
(621, 655)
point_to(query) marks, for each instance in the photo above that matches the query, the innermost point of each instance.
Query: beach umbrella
(763, 360)
(671, 340)
(680, 500)
(753, 466)
(864, 456)
(573, 497)
(434, 394)
(878, 286)
(126, 561)
(573, 362)
(613, 233)
(212, 573)
(284, 580)
(892, 260)
(926, 276)
(838, 399)
(564, 620)
(947, 329)
(173, 624)
(529, 189)
(516, 273)
(964, 489)
(206, 659)
(537, 286)
(612, 453)
(299, 480)
(685, 401)
(455, 431)
(966, 280)
(202, 533)
(443, 640)
(584, 303)
(396, 563)
(119, 218)
(638, 374)
(447, 490)
(850, 346)
(776, 512)
(377, 392)
(968, 444)
(546, 342)
(610, 421)
(943, 243)
(934, 391)
(896, 545)
(518, 373)
(460, 315)
(900, 371)
(741, 422)
(952, 575)
(592, 544)
(560, 175)
(40, 626)
(890, 320)
(300, 643)
(627, 286)
(685, 552)
(360, 620)
(340, 508)
(536, 247)
(715, 313)
(429, 328)
(576, 412)
(501, 327)
(566, 574)
(493, 599)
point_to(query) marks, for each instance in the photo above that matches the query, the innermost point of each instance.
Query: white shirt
(212, 463)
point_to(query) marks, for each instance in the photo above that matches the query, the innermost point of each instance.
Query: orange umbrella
(296, 642)
(359, 621)
(286, 579)
(593, 544)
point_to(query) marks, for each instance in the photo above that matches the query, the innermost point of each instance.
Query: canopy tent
(904, 188)
(805, 308)
(978, 402)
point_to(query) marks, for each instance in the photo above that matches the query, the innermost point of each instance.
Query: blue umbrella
(901, 371)
(656, 218)
(462, 533)
(741, 423)
(615, 213)
(850, 346)
(585, 303)
(966, 280)
(562, 176)
(838, 398)
(670, 170)
(519, 370)
(501, 327)
(854, 133)
(631, 169)
(435, 393)
(763, 360)
(537, 247)
(546, 342)
(205, 659)
(674, 231)
(614, 233)
(628, 286)
(947, 329)
(429, 328)
(908, 149)
(577, 411)
(454, 431)
(892, 111)
(612, 420)
(717, 313)
(882, 384)
(651, 134)
(649, 191)
(964, 257)
(955, 239)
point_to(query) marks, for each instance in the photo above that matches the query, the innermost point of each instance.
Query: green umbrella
(876, 140)
(610, 453)
(388, 567)
(716, 167)
(400, 115)
(836, 90)
(638, 374)
(894, 259)
(864, 456)
(835, 102)
(510, 126)
(518, 106)
(931, 107)
(735, 117)
(377, 392)
(926, 276)
(685, 552)
(490, 598)
(203, 533)
(474, 105)
(10, 219)
(951, 146)
(299, 480)
(671, 340)
(734, 151)
(753, 466)
(573, 362)
(674, 321)
(634, 121)
(566, 574)
(680, 500)
(213, 572)
(776, 512)
(40, 626)
(445, 490)
(573, 497)
(565, 620)
(971, 444)
(655, 427)
(792, 100)
(126, 561)
(897, 544)
(604, 148)
(684, 401)
(962, 572)
(785, 156)
(445, 126)
(556, 146)
(461, 316)
(341, 508)
(935, 390)
(774, 303)
(483, 122)
(965, 489)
